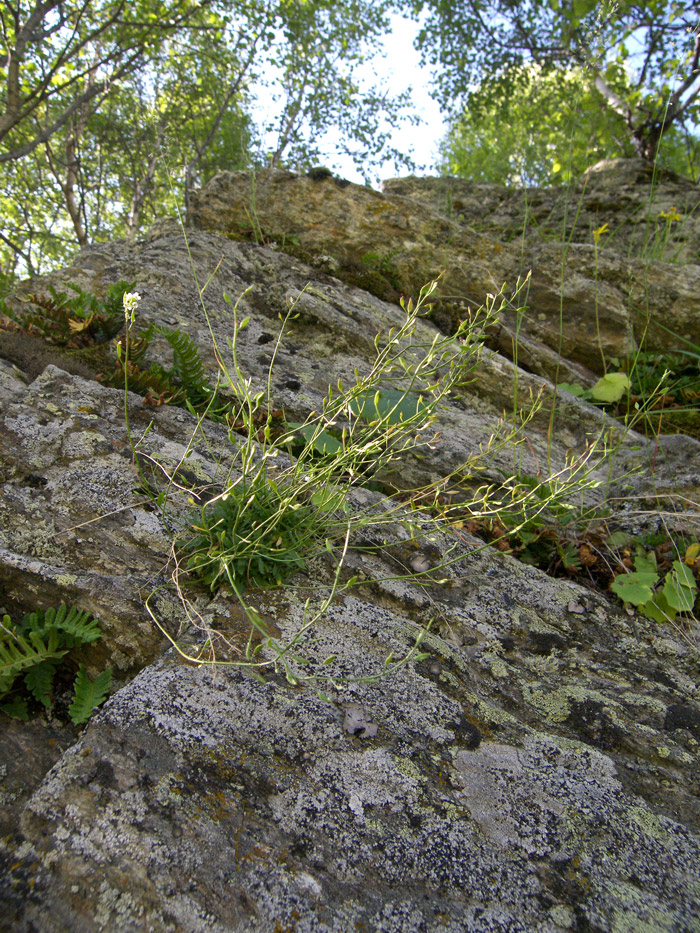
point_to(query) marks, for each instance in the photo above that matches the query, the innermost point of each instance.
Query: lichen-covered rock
(648, 212)
(510, 782)
(74, 527)
(594, 304)
(330, 335)
(27, 751)
(533, 769)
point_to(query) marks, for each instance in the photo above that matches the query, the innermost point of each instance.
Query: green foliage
(322, 91)
(7, 283)
(188, 369)
(115, 113)
(657, 389)
(545, 531)
(322, 443)
(268, 522)
(289, 496)
(256, 534)
(492, 141)
(184, 383)
(641, 58)
(640, 587)
(88, 695)
(531, 518)
(392, 405)
(382, 263)
(678, 372)
(35, 648)
(608, 389)
(18, 652)
(74, 321)
(83, 320)
(154, 383)
(57, 65)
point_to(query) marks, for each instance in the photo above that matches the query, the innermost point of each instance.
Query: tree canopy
(551, 127)
(643, 59)
(60, 56)
(111, 112)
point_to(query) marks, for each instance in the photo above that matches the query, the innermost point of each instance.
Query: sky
(397, 69)
(402, 61)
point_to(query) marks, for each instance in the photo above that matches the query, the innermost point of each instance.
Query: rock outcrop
(535, 769)
(581, 304)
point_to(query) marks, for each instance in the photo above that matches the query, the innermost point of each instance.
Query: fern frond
(155, 381)
(115, 294)
(39, 681)
(16, 708)
(42, 619)
(19, 653)
(80, 627)
(45, 316)
(104, 317)
(74, 321)
(187, 364)
(88, 694)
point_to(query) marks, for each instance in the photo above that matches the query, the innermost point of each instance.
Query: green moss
(490, 714)
(66, 579)
(497, 666)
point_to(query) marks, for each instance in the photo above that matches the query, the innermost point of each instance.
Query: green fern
(105, 315)
(34, 649)
(39, 681)
(184, 382)
(154, 381)
(74, 321)
(19, 652)
(188, 367)
(88, 694)
(76, 626)
(45, 316)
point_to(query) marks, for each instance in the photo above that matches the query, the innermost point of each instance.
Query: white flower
(130, 301)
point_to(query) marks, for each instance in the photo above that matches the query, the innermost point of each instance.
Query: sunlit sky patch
(397, 69)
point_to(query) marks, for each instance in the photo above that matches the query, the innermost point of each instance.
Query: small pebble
(419, 564)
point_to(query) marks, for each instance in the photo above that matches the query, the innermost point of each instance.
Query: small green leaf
(618, 539)
(645, 563)
(322, 442)
(611, 387)
(392, 404)
(680, 588)
(658, 609)
(635, 587)
(573, 388)
(39, 681)
(330, 499)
